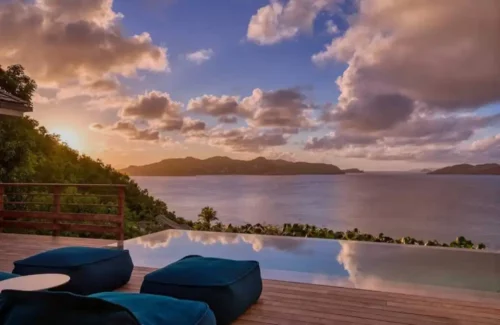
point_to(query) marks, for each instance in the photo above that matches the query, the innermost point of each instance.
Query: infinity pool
(441, 272)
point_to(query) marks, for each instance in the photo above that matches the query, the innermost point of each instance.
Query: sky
(371, 84)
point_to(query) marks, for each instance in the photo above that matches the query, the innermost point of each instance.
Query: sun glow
(70, 137)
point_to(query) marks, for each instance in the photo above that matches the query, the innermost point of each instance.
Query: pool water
(430, 271)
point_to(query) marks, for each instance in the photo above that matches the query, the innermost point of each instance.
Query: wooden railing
(42, 206)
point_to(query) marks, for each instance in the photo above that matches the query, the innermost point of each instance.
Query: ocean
(423, 206)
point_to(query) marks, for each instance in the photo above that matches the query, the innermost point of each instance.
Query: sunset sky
(373, 84)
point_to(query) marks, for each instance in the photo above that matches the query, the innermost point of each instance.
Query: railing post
(121, 213)
(56, 208)
(2, 192)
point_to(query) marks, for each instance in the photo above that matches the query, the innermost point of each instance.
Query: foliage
(306, 230)
(207, 215)
(15, 81)
(28, 153)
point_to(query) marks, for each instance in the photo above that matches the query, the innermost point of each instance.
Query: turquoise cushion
(90, 269)
(112, 308)
(5, 276)
(154, 309)
(229, 287)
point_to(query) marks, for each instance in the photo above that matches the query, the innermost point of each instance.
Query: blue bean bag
(114, 308)
(228, 287)
(5, 276)
(91, 270)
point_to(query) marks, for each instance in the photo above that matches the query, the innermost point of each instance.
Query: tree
(207, 215)
(17, 135)
(20, 142)
(16, 82)
(29, 154)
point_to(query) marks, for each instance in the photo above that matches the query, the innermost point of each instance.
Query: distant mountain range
(226, 166)
(466, 169)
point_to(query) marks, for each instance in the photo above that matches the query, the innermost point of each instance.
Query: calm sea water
(398, 204)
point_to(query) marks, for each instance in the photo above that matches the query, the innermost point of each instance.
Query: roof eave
(15, 106)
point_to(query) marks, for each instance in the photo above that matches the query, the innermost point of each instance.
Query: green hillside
(29, 154)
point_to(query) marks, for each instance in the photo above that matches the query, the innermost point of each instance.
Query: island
(226, 166)
(466, 169)
(353, 171)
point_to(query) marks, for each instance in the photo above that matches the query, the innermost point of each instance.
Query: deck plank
(287, 303)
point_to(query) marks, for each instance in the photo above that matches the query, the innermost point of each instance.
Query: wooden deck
(294, 303)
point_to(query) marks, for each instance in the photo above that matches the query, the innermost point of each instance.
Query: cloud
(331, 28)
(276, 154)
(162, 240)
(216, 106)
(393, 269)
(158, 113)
(40, 99)
(96, 126)
(372, 112)
(450, 129)
(480, 151)
(152, 105)
(131, 132)
(390, 52)
(104, 85)
(408, 92)
(280, 108)
(487, 148)
(422, 138)
(277, 21)
(271, 116)
(486, 143)
(246, 139)
(287, 108)
(256, 242)
(96, 11)
(200, 56)
(171, 124)
(407, 87)
(339, 141)
(63, 41)
(108, 102)
(404, 153)
(189, 125)
(228, 119)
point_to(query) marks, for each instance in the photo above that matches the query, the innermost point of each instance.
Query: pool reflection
(384, 267)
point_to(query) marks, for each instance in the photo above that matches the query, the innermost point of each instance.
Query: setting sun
(70, 137)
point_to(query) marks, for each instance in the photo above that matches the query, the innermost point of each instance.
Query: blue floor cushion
(91, 270)
(154, 309)
(114, 308)
(228, 287)
(5, 276)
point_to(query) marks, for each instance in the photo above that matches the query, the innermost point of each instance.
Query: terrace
(307, 281)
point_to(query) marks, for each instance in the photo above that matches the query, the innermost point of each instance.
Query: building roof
(10, 101)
